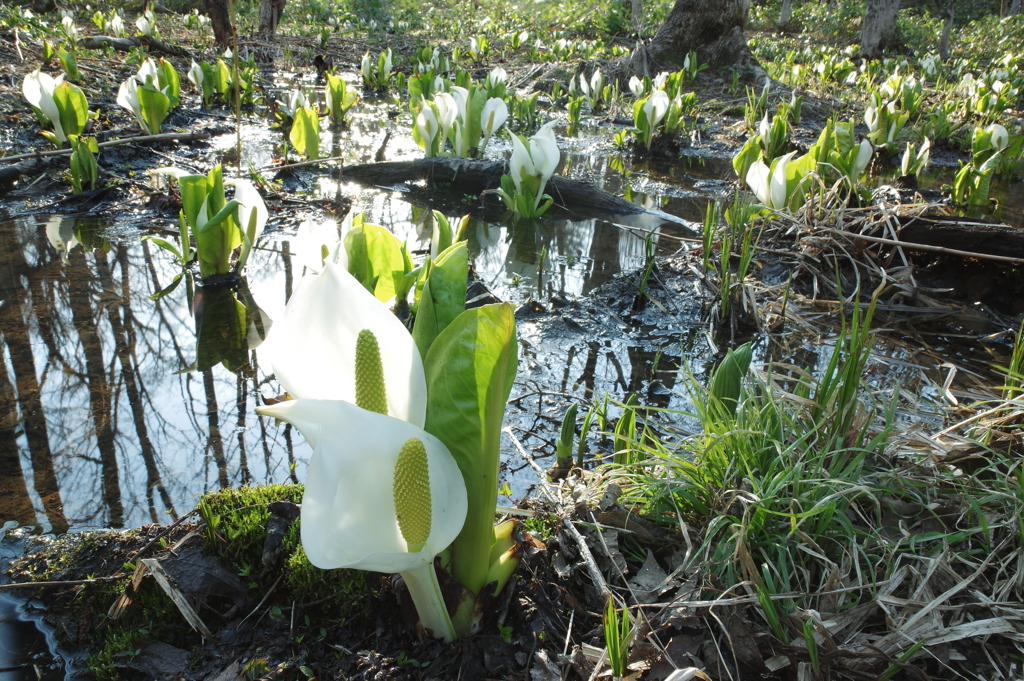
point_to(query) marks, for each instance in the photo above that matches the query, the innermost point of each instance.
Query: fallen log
(153, 44)
(458, 176)
(964, 234)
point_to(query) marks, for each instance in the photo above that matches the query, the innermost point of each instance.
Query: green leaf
(167, 289)
(73, 107)
(444, 296)
(727, 380)
(168, 79)
(155, 106)
(166, 245)
(375, 258)
(305, 134)
(193, 189)
(469, 369)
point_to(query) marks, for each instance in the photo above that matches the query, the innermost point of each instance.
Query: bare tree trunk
(711, 28)
(1015, 7)
(946, 28)
(637, 13)
(270, 15)
(786, 14)
(220, 20)
(878, 32)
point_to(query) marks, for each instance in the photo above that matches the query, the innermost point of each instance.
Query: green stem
(426, 596)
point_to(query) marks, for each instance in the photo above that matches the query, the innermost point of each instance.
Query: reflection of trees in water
(91, 408)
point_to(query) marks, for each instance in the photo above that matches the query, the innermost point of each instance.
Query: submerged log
(458, 176)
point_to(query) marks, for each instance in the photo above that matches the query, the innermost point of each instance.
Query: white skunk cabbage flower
(864, 153)
(764, 128)
(447, 112)
(999, 136)
(540, 159)
(656, 107)
(495, 77)
(317, 244)
(146, 24)
(769, 184)
(381, 495)
(493, 116)
(426, 124)
(461, 97)
(315, 347)
(871, 118)
(128, 97)
(195, 76)
(660, 80)
(636, 86)
(38, 89)
(250, 207)
(366, 68)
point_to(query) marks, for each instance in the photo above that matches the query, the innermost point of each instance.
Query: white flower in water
(128, 97)
(447, 112)
(540, 158)
(366, 68)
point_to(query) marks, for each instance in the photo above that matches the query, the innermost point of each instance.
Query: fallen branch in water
(162, 137)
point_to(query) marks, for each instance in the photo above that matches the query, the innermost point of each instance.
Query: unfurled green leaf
(470, 369)
(305, 133)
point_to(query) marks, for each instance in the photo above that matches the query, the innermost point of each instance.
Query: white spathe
(540, 158)
(128, 97)
(655, 108)
(348, 508)
(769, 184)
(999, 136)
(426, 125)
(195, 76)
(249, 202)
(493, 116)
(38, 89)
(314, 346)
